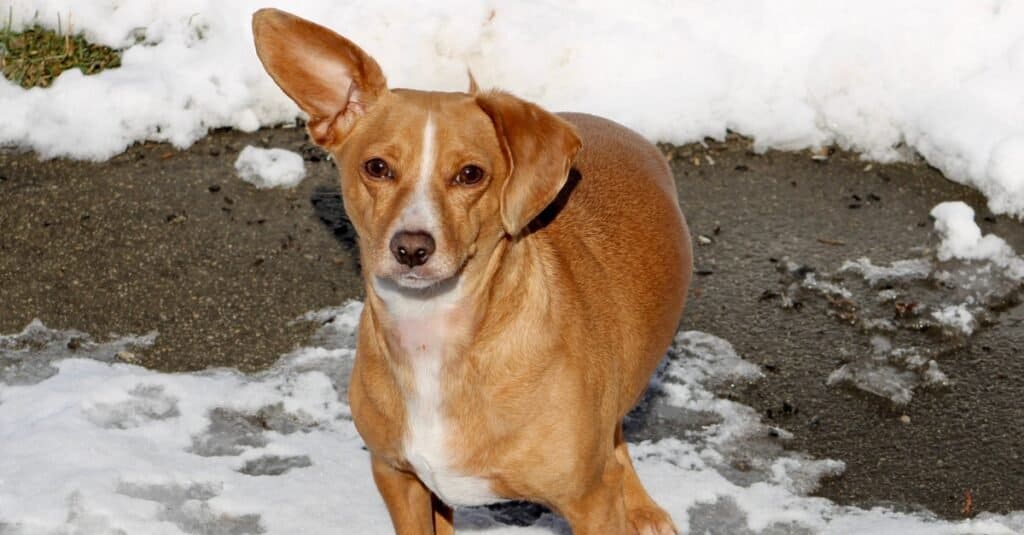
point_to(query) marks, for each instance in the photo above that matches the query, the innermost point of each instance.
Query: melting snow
(957, 317)
(918, 310)
(890, 372)
(900, 270)
(270, 168)
(103, 447)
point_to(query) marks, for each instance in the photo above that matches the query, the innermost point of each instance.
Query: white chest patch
(424, 330)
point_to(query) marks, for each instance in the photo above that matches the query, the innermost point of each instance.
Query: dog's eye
(469, 175)
(378, 168)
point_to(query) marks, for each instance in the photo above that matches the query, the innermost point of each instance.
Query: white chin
(414, 282)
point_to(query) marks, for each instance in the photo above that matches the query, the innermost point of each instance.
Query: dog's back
(625, 240)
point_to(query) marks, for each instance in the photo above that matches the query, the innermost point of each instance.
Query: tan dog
(524, 271)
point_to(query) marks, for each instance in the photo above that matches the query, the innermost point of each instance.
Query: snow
(104, 447)
(956, 316)
(270, 168)
(940, 79)
(961, 236)
(92, 444)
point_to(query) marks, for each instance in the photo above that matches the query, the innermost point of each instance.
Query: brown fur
(562, 318)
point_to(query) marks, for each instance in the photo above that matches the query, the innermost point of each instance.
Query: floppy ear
(540, 148)
(328, 76)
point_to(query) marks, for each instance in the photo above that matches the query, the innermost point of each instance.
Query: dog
(525, 272)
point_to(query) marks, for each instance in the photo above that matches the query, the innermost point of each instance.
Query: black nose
(412, 248)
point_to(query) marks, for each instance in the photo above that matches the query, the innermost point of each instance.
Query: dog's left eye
(378, 168)
(469, 175)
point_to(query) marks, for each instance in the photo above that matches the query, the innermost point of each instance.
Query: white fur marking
(425, 331)
(420, 214)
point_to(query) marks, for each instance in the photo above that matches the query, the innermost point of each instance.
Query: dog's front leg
(414, 509)
(642, 513)
(601, 510)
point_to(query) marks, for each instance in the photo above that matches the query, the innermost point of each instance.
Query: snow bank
(942, 78)
(270, 168)
(102, 447)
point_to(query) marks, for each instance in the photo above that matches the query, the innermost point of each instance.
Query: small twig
(968, 508)
(67, 37)
(827, 241)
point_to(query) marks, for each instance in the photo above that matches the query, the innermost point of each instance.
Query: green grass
(35, 56)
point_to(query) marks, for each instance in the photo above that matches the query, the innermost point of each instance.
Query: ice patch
(915, 311)
(27, 357)
(725, 517)
(188, 508)
(233, 432)
(900, 270)
(274, 465)
(101, 447)
(270, 168)
(811, 282)
(135, 407)
(890, 372)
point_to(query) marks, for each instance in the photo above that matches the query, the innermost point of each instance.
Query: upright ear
(539, 147)
(328, 76)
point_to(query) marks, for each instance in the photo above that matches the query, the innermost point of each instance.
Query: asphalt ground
(172, 241)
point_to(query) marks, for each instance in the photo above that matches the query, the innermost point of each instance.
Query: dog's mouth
(435, 273)
(419, 277)
(416, 281)
(417, 287)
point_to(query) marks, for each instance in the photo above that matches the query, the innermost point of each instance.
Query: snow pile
(941, 79)
(962, 239)
(102, 447)
(270, 168)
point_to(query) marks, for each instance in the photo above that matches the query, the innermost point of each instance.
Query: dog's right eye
(378, 168)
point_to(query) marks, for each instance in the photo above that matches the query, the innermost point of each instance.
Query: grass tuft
(35, 56)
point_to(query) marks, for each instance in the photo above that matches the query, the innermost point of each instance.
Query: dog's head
(430, 180)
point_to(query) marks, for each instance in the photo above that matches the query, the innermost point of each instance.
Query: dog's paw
(650, 521)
